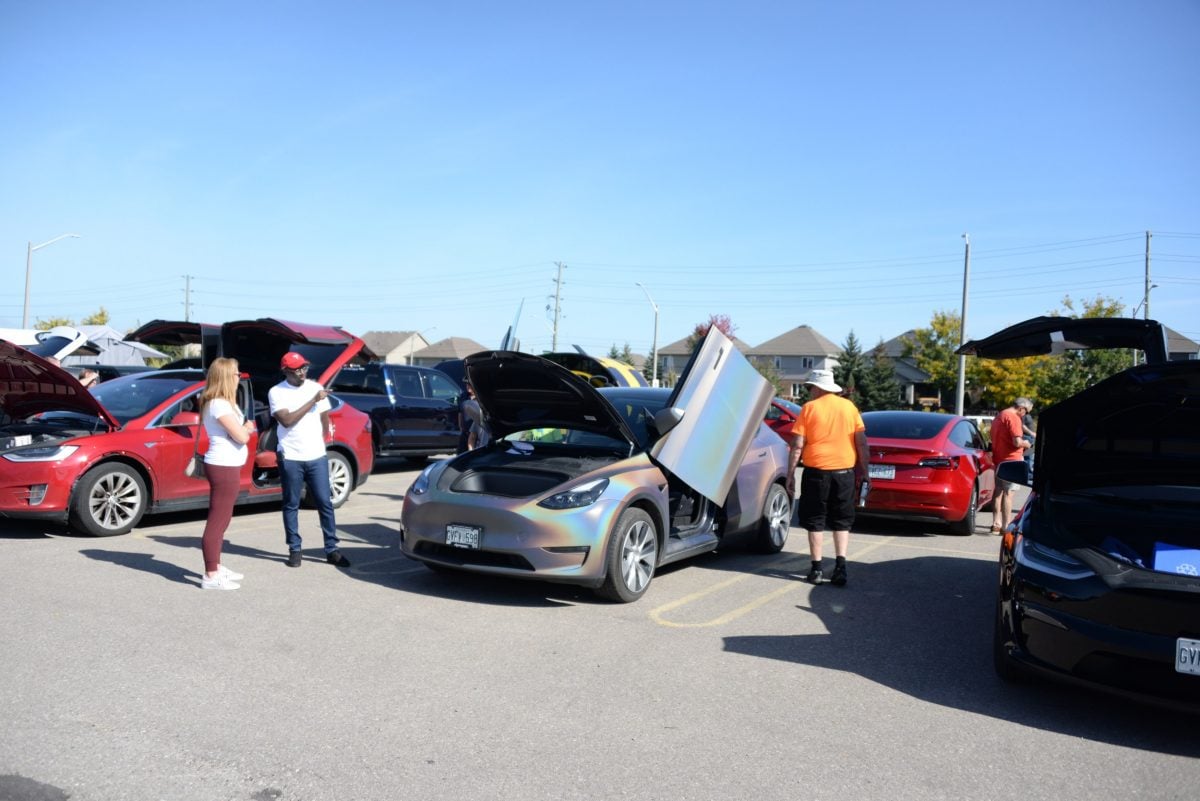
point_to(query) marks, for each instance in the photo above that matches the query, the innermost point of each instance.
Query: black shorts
(827, 499)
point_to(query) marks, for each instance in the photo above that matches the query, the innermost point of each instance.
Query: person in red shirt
(1008, 445)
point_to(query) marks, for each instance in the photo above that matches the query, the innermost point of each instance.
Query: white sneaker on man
(229, 574)
(218, 582)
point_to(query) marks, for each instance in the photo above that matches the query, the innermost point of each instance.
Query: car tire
(109, 500)
(341, 478)
(631, 557)
(966, 526)
(1001, 662)
(776, 521)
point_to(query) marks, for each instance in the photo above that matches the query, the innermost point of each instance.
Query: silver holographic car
(602, 487)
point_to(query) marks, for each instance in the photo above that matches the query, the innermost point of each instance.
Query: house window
(796, 388)
(807, 362)
(778, 362)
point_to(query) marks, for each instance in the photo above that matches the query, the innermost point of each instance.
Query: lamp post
(28, 267)
(412, 344)
(654, 355)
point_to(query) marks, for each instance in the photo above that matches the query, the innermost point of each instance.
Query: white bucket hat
(823, 379)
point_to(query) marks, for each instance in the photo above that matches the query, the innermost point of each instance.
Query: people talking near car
(228, 432)
(301, 407)
(830, 440)
(1008, 445)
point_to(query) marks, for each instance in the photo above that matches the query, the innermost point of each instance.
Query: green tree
(1060, 376)
(99, 318)
(932, 349)
(852, 366)
(879, 388)
(766, 369)
(51, 322)
(625, 354)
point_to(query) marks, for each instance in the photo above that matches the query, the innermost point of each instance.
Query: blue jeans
(315, 474)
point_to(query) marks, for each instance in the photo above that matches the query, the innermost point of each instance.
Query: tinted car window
(133, 396)
(963, 434)
(407, 384)
(441, 387)
(904, 426)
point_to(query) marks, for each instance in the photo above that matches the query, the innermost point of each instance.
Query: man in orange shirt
(1008, 445)
(829, 438)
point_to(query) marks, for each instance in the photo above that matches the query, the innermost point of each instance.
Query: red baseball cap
(292, 361)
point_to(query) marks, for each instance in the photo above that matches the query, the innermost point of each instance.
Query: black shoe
(293, 559)
(814, 576)
(337, 560)
(838, 579)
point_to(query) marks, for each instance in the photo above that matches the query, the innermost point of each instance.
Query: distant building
(674, 357)
(395, 347)
(915, 386)
(795, 354)
(448, 348)
(1180, 348)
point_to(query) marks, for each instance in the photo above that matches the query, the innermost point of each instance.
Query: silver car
(602, 487)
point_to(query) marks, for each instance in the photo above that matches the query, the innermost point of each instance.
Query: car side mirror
(186, 419)
(1013, 472)
(666, 419)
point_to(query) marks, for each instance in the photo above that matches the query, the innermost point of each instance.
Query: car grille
(465, 556)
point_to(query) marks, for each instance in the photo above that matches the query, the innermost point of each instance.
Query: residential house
(915, 386)
(674, 357)
(1180, 348)
(395, 347)
(448, 348)
(794, 354)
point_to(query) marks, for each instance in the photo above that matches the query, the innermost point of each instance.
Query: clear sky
(424, 166)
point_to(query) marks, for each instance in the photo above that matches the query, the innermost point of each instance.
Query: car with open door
(98, 460)
(602, 486)
(1099, 575)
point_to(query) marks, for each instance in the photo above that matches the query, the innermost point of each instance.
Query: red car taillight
(940, 462)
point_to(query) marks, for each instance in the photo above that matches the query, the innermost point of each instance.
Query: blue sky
(424, 166)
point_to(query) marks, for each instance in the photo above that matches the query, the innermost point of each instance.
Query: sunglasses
(301, 369)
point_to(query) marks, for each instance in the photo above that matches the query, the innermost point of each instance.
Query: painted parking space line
(658, 615)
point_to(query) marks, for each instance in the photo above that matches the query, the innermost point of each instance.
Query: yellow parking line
(657, 614)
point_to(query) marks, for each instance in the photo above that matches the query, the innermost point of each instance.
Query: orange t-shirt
(1005, 426)
(828, 425)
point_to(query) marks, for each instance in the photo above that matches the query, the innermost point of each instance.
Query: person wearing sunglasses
(301, 407)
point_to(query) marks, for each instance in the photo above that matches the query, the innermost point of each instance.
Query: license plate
(1187, 656)
(462, 536)
(887, 471)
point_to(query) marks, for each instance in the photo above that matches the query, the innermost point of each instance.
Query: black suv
(414, 410)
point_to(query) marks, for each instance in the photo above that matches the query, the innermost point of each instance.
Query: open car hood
(519, 391)
(258, 345)
(1054, 335)
(1140, 427)
(30, 385)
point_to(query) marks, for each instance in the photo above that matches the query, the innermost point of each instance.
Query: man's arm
(795, 452)
(290, 418)
(864, 454)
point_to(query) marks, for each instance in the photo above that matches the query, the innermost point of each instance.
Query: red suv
(99, 459)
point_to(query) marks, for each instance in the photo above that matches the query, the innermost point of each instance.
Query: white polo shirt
(304, 441)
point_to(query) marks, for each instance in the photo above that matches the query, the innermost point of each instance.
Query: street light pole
(654, 355)
(960, 388)
(28, 269)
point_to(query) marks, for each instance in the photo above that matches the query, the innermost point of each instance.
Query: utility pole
(962, 338)
(558, 283)
(187, 298)
(1146, 293)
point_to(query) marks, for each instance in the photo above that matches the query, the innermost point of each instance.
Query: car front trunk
(517, 473)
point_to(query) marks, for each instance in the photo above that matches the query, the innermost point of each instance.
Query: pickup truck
(414, 410)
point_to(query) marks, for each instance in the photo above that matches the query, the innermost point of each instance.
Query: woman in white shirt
(228, 432)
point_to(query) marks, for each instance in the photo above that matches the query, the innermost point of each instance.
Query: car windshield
(921, 425)
(132, 396)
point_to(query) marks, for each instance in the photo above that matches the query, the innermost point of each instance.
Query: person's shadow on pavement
(147, 563)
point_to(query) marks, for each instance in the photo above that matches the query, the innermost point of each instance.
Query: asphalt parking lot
(730, 679)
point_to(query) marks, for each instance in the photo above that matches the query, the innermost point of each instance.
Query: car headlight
(50, 453)
(583, 495)
(421, 485)
(1050, 560)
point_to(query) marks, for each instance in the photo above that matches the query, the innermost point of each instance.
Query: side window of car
(374, 384)
(407, 384)
(962, 435)
(773, 413)
(441, 388)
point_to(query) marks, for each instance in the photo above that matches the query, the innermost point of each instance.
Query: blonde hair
(222, 382)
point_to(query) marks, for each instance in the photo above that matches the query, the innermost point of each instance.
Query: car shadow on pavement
(923, 626)
(146, 563)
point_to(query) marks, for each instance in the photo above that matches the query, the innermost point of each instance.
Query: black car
(414, 410)
(1099, 579)
(107, 372)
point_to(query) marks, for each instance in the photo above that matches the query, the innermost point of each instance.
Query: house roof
(894, 347)
(384, 342)
(680, 347)
(802, 340)
(1178, 343)
(450, 348)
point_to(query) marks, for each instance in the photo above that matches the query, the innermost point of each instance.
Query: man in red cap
(301, 407)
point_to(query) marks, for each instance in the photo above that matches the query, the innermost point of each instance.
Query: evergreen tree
(880, 387)
(851, 369)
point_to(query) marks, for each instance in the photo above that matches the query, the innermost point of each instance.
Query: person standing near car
(830, 440)
(1008, 445)
(301, 407)
(228, 432)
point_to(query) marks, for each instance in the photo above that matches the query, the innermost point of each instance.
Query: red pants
(222, 492)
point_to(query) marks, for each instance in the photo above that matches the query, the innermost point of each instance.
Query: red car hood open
(29, 385)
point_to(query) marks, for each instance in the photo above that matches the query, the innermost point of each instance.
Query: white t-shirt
(304, 441)
(223, 450)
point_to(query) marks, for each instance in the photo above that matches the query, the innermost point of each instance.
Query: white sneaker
(219, 583)
(229, 574)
